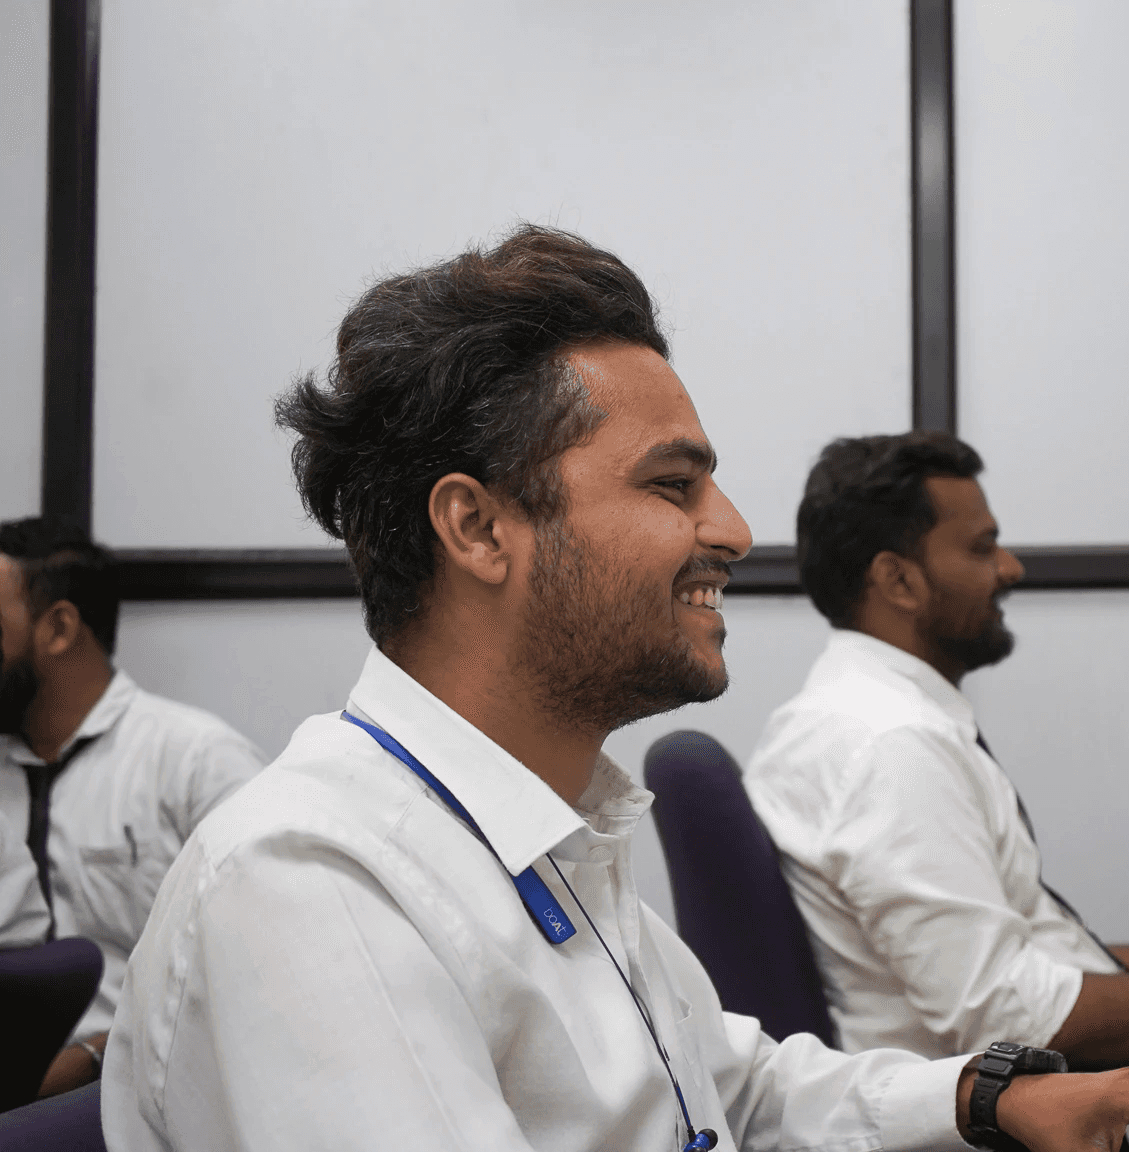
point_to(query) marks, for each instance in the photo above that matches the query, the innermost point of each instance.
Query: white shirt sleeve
(801, 1094)
(912, 853)
(24, 917)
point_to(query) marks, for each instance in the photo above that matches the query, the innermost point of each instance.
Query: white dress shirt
(120, 812)
(24, 918)
(904, 848)
(335, 961)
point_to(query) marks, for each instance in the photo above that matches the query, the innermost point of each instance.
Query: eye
(678, 484)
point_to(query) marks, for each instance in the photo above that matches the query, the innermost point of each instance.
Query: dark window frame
(257, 574)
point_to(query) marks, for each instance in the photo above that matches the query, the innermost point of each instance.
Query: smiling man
(419, 927)
(906, 847)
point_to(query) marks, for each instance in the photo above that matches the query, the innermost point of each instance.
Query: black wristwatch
(998, 1065)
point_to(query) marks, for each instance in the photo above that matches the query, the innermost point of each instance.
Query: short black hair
(60, 562)
(456, 367)
(864, 496)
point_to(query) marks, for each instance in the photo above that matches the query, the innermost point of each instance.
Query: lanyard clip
(701, 1141)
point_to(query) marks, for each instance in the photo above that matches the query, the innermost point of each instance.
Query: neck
(63, 701)
(908, 639)
(474, 681)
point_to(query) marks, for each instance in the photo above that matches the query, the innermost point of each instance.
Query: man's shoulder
(179, 726)
(326, 785)
(854, 688)
(842, 734)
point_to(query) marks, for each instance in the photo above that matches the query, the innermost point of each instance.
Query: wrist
(989, 1108)
(94, 1054)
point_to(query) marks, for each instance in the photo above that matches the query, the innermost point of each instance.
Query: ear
(475, 530)
(899, 581)
(56, 631)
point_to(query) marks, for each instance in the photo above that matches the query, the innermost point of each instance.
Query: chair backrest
(733, 905)
(71, 1122)
(43, 993)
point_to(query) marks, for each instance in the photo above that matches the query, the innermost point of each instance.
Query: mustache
(699, 566)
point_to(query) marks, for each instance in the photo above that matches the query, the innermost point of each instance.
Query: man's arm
(1096, 1032)
(1058, 1113)
(1121, 951)
(921, 870)
(73, 1067)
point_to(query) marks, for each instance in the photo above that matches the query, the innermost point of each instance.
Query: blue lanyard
(544, 909)
(543, 906)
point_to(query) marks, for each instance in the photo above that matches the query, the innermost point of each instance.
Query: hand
(72, 1068)
(1068, 1112)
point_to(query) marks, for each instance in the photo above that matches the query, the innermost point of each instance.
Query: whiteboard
(23, 220)
(259, 163)
(1042, 117)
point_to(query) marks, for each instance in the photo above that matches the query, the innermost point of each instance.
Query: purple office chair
(43, 993)
(730, 898)
(71, 1122)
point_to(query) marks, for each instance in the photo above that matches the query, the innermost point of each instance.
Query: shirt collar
(100, 719)
(887, 660)
(521, 816)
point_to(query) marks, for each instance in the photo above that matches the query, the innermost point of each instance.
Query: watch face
(1008, 1047)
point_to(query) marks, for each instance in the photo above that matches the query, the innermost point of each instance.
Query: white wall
(750, 159)
(1042, 116)
(23, 214)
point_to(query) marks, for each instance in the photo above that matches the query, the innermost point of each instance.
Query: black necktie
(40, 777)
(1061, 901)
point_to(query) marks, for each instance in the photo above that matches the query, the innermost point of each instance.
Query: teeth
(699, 597)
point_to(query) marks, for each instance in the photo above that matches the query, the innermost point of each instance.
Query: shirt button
(600, 855)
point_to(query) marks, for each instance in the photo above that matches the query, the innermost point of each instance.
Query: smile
(702, 596)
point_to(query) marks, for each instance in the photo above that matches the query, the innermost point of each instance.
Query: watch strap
(998, 1066)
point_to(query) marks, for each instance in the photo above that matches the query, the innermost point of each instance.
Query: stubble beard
(992, 644)
(598, 653)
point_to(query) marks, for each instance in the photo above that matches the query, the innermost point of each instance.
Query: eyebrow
(697, 452)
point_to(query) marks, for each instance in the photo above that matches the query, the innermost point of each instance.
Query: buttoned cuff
(919, 1106)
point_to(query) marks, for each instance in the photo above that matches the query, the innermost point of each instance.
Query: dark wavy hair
(59, 561)
(865, 496)
(458, 367)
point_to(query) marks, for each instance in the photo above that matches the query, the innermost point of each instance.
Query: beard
(971, 650)
(18, 687)
(600, 652)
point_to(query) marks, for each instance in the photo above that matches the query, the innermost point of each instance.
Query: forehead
(12, 596)
(960, 504)
(644, 399)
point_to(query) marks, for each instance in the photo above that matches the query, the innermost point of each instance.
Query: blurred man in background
(908, 850)
(105, 782)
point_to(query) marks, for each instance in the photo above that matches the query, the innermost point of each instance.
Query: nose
(1010, 569)
(722, 527)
